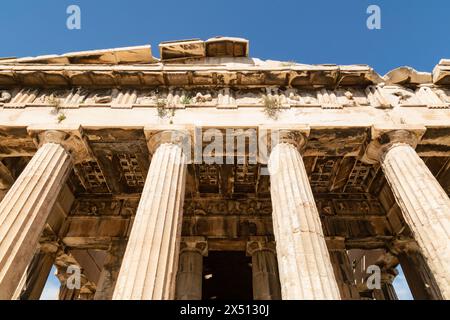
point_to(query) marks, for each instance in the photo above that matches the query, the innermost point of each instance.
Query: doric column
(387, 290)
(37, 274)
(387, 263)
(420, 280)
(6, 180)
(190, 270)
(110, 271)
(26, 207)
(35, 278)
(424, 204)
(303, 259)
(342, 267)
(266, 282)
(150, 262)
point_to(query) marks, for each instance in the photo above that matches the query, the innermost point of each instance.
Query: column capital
(387, 261)
(197, 244)
(385, 137)
(261, 243)
(49, 247)
(52, 136)
(402, 245)
(50, 242)
(180, 135)
(296, 135)
(70, 137)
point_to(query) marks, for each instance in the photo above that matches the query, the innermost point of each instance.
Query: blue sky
(413, 32)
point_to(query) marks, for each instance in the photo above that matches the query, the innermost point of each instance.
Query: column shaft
(303, 259)
(425, 207)
(266, 285)
(189, 277)
(344, 275)
(420, 280)
(110, 271)
(150, 262)
(36, 275)
(24, 211)
(387, 290)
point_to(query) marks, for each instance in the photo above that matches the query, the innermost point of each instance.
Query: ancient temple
(208, 174)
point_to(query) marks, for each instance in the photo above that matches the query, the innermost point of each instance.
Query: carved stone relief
(105, 206)
(101, 96)
(227, 207)
(378, 96)
(5, 96)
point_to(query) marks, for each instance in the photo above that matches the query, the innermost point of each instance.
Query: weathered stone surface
(25, 209)
(127, 55)
(110, 271)
(425, 207)
(266, 283)
(190, 270)
(113, 108)
(156, 230)
(304, 262)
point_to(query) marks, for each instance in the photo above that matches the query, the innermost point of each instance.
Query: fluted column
(342, 267)
(387, 290)
(36, 275)
(424, 204)
(303, 259)
(150, 262)
(266, 283)
(6, 180)
(190, 270)
(25, 209)
(420, 280)
(110, 271)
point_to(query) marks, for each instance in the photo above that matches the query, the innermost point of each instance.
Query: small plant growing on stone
(61, 117)
(272, 106)
(172, 114)
(186, 100)
(161, 107)
(55, 103)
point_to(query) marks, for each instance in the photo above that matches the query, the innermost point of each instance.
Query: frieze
(22, 98)
(105, 206)
(104, 96)
(349, 207)
(5, 96)
(205, 206)
(348, 204)
(96, 207)
(378, 96)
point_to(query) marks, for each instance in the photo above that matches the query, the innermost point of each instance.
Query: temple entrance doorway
(227, 275)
